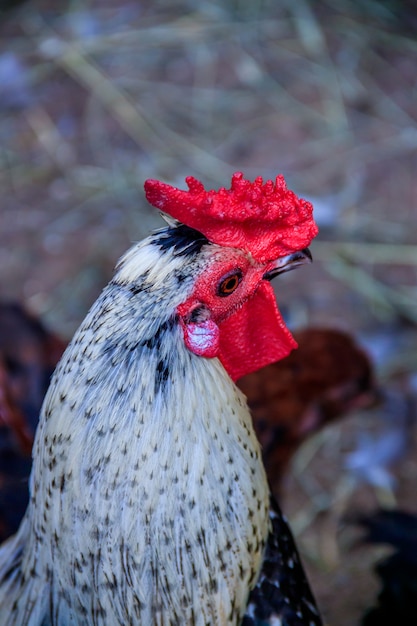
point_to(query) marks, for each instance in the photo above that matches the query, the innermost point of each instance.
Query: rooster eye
(229, 284)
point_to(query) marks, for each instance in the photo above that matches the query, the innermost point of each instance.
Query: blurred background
(97, 96)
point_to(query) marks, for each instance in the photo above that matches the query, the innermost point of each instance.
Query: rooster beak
(289, 262)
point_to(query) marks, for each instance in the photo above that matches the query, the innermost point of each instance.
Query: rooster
(149, 502)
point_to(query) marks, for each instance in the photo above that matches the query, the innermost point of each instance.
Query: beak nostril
(307, 253)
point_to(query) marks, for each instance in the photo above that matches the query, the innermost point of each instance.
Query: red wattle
(254, 336)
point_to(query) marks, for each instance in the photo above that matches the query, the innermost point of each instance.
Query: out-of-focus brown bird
(28, 355)
(325, 378)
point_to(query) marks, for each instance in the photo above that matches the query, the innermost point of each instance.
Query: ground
(98, 96)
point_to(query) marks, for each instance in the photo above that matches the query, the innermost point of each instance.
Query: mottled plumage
(149, 502)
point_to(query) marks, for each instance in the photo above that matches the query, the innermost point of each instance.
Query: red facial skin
(244, 329)
(266, 221)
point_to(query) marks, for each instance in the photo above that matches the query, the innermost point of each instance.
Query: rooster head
(257, 231)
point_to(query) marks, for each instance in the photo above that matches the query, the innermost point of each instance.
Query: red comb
(267, 220)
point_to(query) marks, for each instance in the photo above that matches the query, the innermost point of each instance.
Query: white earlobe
(202, 338)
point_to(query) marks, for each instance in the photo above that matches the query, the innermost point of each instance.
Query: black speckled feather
(282, 595)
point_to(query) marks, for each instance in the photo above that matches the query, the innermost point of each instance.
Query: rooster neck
(145, 462)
